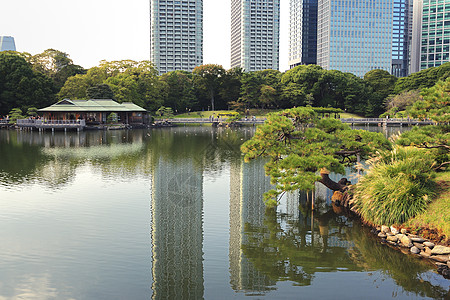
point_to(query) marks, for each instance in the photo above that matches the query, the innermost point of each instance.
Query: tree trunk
(333, 185)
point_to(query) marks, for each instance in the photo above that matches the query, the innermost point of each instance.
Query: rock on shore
(418, 246)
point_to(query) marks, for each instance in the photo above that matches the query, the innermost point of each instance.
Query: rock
(399, 236)
(394, 230)
(417, 239)
(392, 238)
(415, 250)
(385, 229)
(404, 231)
(419, 245)
(444, 271)
(406, 242)
(390, 234)
(448, 264)
(440, 250)
(424, 254)
(382, 235)
(427, 250)
(440, 258)
(428, 244)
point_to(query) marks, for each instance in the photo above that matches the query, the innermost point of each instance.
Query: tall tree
(209, 78)
(57, 65)
(22, 87)
(179, 91)
(382, 85)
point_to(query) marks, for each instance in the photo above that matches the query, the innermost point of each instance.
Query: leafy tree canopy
(298, 145)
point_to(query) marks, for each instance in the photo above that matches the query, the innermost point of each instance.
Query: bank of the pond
(426, 236)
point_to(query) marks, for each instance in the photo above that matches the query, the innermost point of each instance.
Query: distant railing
(50, 123)
(4, 121)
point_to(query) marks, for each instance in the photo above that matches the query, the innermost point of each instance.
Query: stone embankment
(416, 245)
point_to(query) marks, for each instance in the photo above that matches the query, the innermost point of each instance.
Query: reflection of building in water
(177, 236)
(248, 184)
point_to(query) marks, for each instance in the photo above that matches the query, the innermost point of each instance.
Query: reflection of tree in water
(407, 271)
(295, 253)
(286, 249)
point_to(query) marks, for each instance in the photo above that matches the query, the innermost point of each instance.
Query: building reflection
(177, 236)
(247, 186)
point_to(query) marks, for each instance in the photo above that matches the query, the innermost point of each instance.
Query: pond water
(176, 214)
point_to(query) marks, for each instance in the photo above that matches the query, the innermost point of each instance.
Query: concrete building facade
(255, 34)
(176, 34)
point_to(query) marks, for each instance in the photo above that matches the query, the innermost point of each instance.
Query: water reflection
(121, 214)
(300, 244)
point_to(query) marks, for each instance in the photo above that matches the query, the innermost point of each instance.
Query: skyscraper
(7, 43)
(416, 36)
(401, 37)
(255, 34)
(176, 29)
(302, 32)
(435, 33)
(355, 35)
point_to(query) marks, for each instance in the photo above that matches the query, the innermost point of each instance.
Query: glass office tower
(302, 32)
(435, 36)
(255, 34)
(401, 37)
(7, 43)
(176, 29)
(355, 35)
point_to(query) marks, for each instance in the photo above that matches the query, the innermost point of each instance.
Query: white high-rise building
(255, 34)
(7, 43)
(176, 29)
(355, 36)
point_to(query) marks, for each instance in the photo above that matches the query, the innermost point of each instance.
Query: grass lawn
(436, 220)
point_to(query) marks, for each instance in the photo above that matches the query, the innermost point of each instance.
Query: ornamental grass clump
(398, 186)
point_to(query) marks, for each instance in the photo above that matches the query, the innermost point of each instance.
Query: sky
(94, 30)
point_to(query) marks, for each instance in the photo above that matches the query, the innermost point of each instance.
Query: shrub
(398, 186)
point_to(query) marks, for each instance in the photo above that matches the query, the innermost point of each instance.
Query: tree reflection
(295, 249)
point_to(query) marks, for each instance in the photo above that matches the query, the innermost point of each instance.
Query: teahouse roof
(92, 105)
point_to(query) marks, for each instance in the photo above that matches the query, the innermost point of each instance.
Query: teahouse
(95, 111)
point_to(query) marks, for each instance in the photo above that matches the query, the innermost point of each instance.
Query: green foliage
(298, 144)
(397, 104)
(178, 91)
(112, 118)
(32, 112)
(15, 114)
(398, 186)
(99, 91)
(56, 65)
(208, 79)
(423, 79)
(381, 84)
(435, 103)
(165, 112)
(20, 86)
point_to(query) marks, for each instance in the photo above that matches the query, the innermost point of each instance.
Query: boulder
(385, 229)
(392, 238)
(428, 250)
(417, 239)
(394, 230)
(404, 231)
(399, 236)
(428, 244)
(440, 258)
(440, 250)
(424, 254)
(406, 242)
(419, 245)
(415, 250)
(382, 235)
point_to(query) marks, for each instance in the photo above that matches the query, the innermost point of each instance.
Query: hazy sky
(93, 30)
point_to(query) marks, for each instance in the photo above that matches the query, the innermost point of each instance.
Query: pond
(175, 213)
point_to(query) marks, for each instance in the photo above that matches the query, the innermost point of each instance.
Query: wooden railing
(39, 123)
